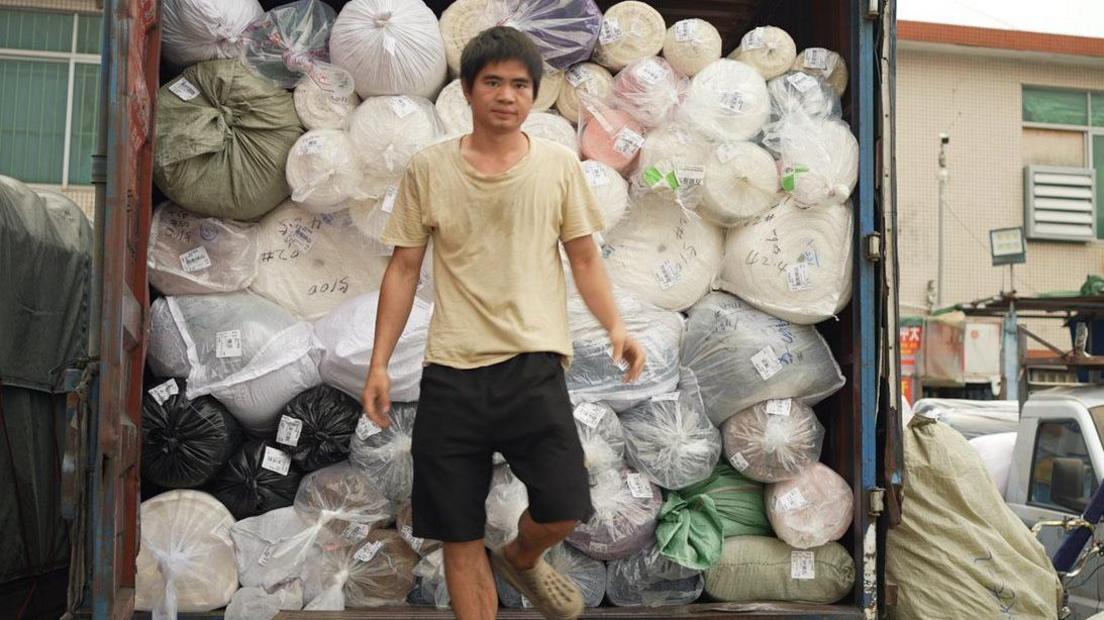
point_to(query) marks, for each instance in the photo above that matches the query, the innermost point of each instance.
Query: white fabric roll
(318, 110)
(769, 49)
(312, 263)
(193, 255)
(819, 158)
(323, 171)
(348, 345)
(453, 109)
(626, 508)
(741, 181)
(663, 254)
(823, 63)
(386, 132)
(691, 44)
(800, 93)
(773, 441)
(391, 47)
(553, 127)
(385, 456)
(631, 30)
(610, 189)
(792, 263)
(186, 559)
(461, 21)
(672, 164)
(587, 77)
(650, 90)
(728, 101)
(196, 30)
(812, 509)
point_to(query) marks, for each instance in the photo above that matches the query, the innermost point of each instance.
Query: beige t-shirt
(498, 276)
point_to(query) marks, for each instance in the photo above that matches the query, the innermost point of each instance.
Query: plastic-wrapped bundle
(774, 440)
(589, 575)
(630, 31)
(819, 158)
(551, 84)
(323, 172)
(319, 109)
(586, 77)
(667, 256)
(758, 568)
(378, 572)
(823, 63)
(792, 263)
(594, 376)
(672, 164)
(258, 478)
(650, 580)
(650, 90)
(385, 454)
(391, 47)
(186, 559)
(316, 426)
(565, 31)
(800, 93)
(270, 548)
(461, 21)
(291, 41)
(691, 45)
(670, 439)
(404, 523)
(254, 603)
(626, 506)
(613, 138)
(432, 587)
(552, 127)
(223, 137)
(453, 109)
(610, 189)
(348, 343)
(185, 442)
(996, 452)
(193, 255)
(742, 356)
(312, 263)
(342, 503)
(741, 181)
(812, 509)
(247, 352)
(387, 132)
(602, 438)
(769, 49)
(196, 30)
(728, 101)
(505, 502)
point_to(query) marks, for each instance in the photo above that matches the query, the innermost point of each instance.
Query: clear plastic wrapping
(258, 478)
(552, 127)
(691, 45)
(322, 109)
(432, 586)
(589, 575)
(801, 93)
(792, 263)
(823, 63)
(672, 164)
(270, 548)
(252, 603)
(742, 356)
(384, 455)
(342, 503)
(819, 158)
(378, 572)
(184, 442)
(196, 30)
(648, 579)
(324, 172)
(453, 109)
(386, 132)
(774, 440)
(626, 505)
(728, 101)
(612, 137)
(193, 255)
(404, 523)
(650, 90)
(610, 190)
(316, 426)
(670, 439)
(565, 31)
(586, 77)
(630, 31)
(769, 49)
(505, 503)
(812, 509)
(741, 181)
(292, 41)
(602, 438)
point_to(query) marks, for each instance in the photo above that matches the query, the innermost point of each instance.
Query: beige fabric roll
(631, 30)
(453, 109)
(586, 77)
(460, 22)
(550, 87)
(552, 127)
(318, 110)
(610, 189)
(741, 181)
(691, 44)
(769, 49)
(826, 64)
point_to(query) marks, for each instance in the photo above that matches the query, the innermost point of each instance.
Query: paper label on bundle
(276, 461)
(163, 392)
(802, 565)
(266, 555)
(589, 414)
(816, 58)
(797, 277)
(766, 363)
(802, 82)
(599, 547)
(627, 142)
(779, 406)
(669, 396)
(727, 152)
(577, 75)
(289, 431)
(810, 257)
(732, 101)
(668, 274)
(738, 461)
(311, 146)
(623, 366)
(689, 176)
(388, 204)
(368, 551)
(753, 40)
(402, 106)
(596, 176)
(407, 533)
(195, 259)
(300, 237)
(610, 32)
(355, 532)
(651, 71)
(638, 486)
(366, 428)
(686, 30)
(228, 344)
(792, 500)
(184, 89)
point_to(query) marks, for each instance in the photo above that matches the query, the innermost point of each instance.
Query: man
(497, 205)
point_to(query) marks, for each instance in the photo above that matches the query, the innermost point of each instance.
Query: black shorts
(518, 407)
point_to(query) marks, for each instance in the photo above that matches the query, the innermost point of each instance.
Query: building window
(49, 95)
(1062, 476)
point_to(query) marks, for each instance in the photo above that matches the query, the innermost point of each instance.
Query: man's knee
(468, 552)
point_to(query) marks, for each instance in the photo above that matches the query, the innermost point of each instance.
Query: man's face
(501, 96)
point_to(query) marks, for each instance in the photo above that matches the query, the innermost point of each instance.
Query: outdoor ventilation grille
(1059, 203)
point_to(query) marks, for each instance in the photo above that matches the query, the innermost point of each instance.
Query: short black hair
(498, 44)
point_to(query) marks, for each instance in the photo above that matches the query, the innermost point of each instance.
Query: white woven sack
(811, 510)
(323, 171)
(347, 337)
(610, 189)
(585, 77)
(453, 109)
(631, 30)
(672, 164)
(691, 44)
(317, 109)
(769, 49)
(823, 63)
(186, 559)
(386, 132)
(728, 101)
(196, 30)
(741, 181)
(792, 263)
(650, 90)
(552, 127)
(795, 92)
(819, 158)
(192, 255)
(391, 47)
(773, 441)
(667, 256)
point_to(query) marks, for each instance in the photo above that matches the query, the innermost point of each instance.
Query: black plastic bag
(185, 442)
(248, 488)
(329, 417)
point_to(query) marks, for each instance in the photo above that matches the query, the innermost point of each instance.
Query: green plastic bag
(694, 521)
(223, 137)
(758, 568)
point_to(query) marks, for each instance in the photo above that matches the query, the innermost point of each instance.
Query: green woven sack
(757, 568)
(223, 137)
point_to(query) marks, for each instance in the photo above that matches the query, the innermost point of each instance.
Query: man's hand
(626, 348)
(377, 397)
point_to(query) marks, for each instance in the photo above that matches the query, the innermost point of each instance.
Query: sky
(1083, 18)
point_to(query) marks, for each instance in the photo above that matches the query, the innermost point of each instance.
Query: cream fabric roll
(587, 77)
(824, 63)
(610, 189)
(323, 171)
(728, 101)
(453, 109)
(691, 44)
(318, 110)
(552, 127)
(631, 30)
(769, 49)
(741, 181)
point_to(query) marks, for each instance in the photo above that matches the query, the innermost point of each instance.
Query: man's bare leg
(534, 539)
(471, 584)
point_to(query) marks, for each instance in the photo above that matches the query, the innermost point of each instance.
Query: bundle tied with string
(610, 190)
(602, 438)
(386, 132)
(672, 165)
(378, 572)
(811, 510)
(819, 158)
(316, 426)
(552, 127)
(259, 477)
(792, 263)
(648, 579)
(728, 101)
(774, 440)
(289, 44)
(191, 254)
(611, 136)
(324, 172)
(692, 44)
(795, 92)
(186, 558)
(650, 90)
(184, 441)
(769, 49)
(630, 31)
(741, 182)
(196, 30)
(823, 63)
(588, 574)
(586, 77)
(319, 108)
(384, 454)
(626, 505)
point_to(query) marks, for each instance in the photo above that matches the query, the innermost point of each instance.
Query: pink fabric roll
(616, 142)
